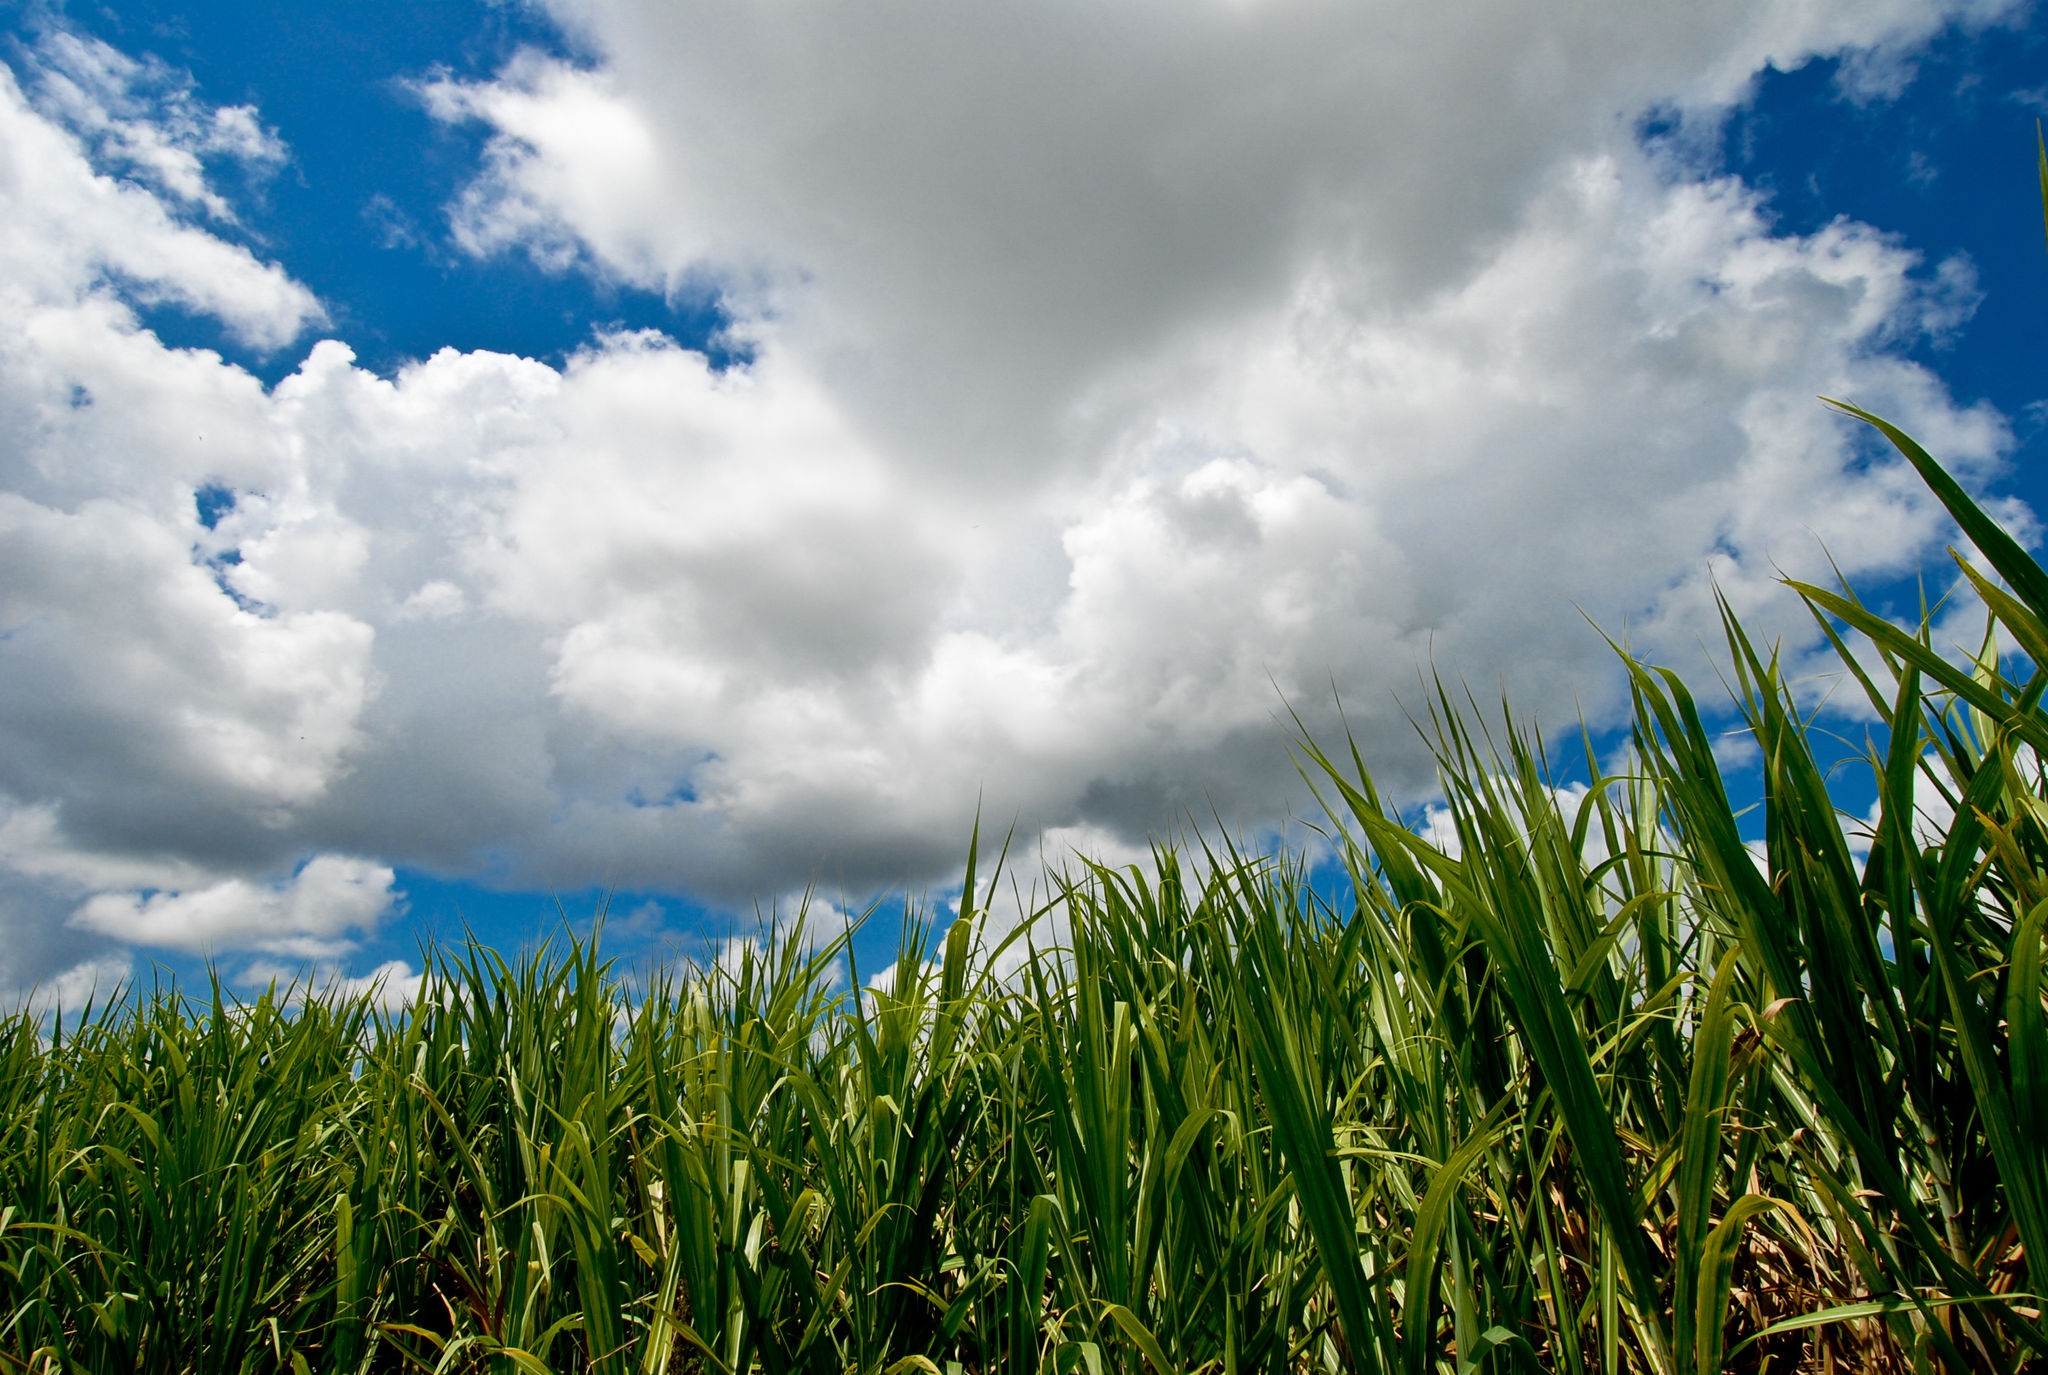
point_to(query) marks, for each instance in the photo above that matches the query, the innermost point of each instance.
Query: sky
(458, 460)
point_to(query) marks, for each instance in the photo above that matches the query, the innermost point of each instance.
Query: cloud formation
(325, 900)
(1107, 368)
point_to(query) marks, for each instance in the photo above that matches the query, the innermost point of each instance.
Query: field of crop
(1600, 1086)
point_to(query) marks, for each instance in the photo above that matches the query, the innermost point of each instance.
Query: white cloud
(71, 231)
(435, 601)
(311, 915)
(142, 117)
(116, 631)
(970, 215)
(1110, 366)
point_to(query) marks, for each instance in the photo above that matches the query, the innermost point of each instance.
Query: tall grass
(1606, 1084)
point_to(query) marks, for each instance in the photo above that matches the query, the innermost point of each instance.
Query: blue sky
(1071, 378)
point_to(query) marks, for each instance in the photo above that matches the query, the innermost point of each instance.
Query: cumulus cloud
(972, 214)
(1111, 373)
(307, 915)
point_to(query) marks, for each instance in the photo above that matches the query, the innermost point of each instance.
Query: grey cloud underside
(1122, 376)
